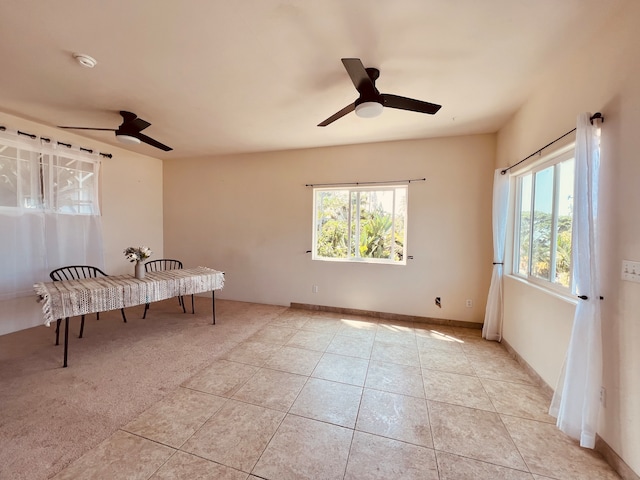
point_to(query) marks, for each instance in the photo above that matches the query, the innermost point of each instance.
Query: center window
(360, 224)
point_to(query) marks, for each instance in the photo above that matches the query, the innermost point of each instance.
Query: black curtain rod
(595, 116)
(344, 184)
(48, 140)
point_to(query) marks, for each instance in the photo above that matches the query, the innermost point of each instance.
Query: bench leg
(213, 305)
(66, 341)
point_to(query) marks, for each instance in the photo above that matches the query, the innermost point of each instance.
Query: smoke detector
(85, 60)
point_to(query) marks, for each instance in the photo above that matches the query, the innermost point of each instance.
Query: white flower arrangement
(137, 254)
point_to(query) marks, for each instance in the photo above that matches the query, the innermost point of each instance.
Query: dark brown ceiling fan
(371, 102)
(129, 131)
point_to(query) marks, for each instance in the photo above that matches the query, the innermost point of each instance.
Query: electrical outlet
(631, 271)
(469, 303)
(438, 302)
(603, 396)
(314, 289)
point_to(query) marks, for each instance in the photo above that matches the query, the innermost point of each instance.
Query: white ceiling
(220, 76)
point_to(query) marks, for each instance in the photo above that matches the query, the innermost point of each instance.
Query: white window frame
(356, 224)
(45, 191)
(553, 159)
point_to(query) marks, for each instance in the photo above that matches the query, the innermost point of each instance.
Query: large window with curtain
(543, 223)
(49, 212)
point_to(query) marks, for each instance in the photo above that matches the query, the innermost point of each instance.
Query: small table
(70, 298)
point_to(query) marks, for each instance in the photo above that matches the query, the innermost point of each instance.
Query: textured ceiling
(216, 77)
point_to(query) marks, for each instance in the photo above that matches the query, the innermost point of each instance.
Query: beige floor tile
(295, 321)
(394, 378)
(454, 467)
(176, 417)
(473, 433)
(236, 436)
(518, 400)
(377, 458)
(222, 378)
(330, 402)
(351, 346)
(550, 452)
(340, 368)
(273, 334)
(271, 389)
(185, 466)
(387, 334)
(437, 340)
(252, 353)
(457, 389)
(486, 348)
(403, 354)
(294, 360)
(121, 456)
(305, 449)
(431, 330)
(466, 333)
(446, 361)
(395, 416)
(322, 325)
(311, 340)
(299, 405)
(358, 329)
(505, 369)
(396, 325)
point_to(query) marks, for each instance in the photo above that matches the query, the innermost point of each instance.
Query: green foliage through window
(543, 239)
(360, 224)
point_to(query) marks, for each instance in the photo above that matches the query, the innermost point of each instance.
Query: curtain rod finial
(597, 116)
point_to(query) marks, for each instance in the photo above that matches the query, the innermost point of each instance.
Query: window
(40, 181)
(360, 224)
(544, 215)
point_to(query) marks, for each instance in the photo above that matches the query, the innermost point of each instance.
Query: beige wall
(131, 202)
(251, 216)
(604, 76)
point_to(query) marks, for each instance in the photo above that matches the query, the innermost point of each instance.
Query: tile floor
(324, 396)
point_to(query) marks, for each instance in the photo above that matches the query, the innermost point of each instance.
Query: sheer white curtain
(49, 215)
(576, 402)
(492, 328)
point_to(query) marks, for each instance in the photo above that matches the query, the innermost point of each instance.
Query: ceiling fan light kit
(371, 102)
(128, 139)
(369, 109)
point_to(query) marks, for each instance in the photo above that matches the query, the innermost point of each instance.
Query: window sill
(360, 261)
(560, 296)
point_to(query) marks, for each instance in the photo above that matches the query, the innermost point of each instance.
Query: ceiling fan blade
(359, 76)
(348, 109)
(152, 142)
(131, 122)
(90, 128)
(138, 124)
(404, 103)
